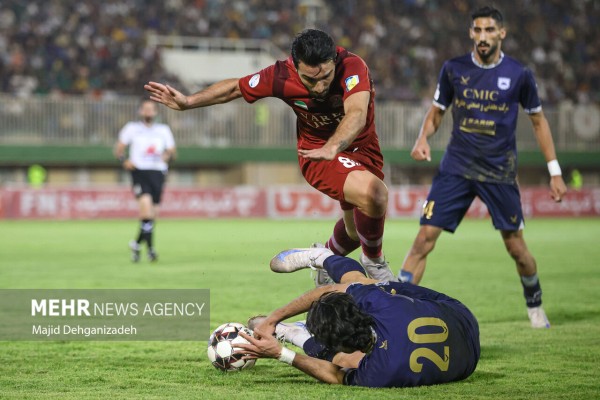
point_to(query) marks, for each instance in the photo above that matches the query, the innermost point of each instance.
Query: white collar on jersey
(488, 66)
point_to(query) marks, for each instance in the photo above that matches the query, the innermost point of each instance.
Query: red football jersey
(317, 118)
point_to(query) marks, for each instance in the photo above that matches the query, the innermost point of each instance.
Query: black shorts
(148, 182)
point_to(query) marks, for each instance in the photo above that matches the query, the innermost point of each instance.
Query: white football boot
(289, 332)
(320, 276)
(538, 317)
(378, 271)
(295, 259)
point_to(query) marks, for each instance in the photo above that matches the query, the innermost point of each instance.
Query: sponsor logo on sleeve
(351, 82)
(254, 80)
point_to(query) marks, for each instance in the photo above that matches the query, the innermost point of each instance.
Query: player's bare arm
(543, 135)
(351, 125)
(221, 92)
(296, 306)
(346, 360)
(266, 346)
(421, 150)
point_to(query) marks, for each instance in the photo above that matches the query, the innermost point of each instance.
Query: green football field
(230, 257)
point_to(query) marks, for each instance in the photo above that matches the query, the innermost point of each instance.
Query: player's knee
(515, 246)
(517, 251)
(377, 198)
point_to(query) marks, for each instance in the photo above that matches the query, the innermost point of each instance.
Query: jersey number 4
(442, 362)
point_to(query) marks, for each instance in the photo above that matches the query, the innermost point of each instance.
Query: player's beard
(148, 120)
(485, 53)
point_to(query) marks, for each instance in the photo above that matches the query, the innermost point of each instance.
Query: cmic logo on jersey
(481, 94)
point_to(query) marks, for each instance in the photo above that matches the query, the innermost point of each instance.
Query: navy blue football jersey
(485, 104)
(423, 337)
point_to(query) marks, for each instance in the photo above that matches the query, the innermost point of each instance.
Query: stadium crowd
(99, 48)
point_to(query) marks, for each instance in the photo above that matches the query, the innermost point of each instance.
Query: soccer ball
(221, 346)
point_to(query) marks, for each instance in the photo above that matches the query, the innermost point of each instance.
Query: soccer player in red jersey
(332, 94)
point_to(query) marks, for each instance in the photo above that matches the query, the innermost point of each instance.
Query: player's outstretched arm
(421, 150)
(297, 306)
(543, 135)
(221, 92)
(266, 346)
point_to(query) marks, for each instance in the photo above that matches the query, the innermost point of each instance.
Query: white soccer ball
(222, 345)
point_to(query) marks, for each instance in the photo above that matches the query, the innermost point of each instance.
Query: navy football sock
(532, 290)
(337, 266)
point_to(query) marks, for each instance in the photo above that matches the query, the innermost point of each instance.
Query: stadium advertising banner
(253, 202)
(104, 314)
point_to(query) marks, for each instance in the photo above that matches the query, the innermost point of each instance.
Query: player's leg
(157, 180)
(447, 202)
(344, 239)
(341, 269)
(415, 261)
(504, 205)
(369, 195)
(527, 270)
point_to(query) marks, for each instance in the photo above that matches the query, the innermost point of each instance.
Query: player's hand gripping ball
(222, 346)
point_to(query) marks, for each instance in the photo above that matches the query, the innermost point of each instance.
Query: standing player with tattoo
(484, 88)
(151, 147)
(331, 92)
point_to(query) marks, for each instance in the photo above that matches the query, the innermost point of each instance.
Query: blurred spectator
(92, 47)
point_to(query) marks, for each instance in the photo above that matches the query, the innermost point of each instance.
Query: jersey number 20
(428, 338)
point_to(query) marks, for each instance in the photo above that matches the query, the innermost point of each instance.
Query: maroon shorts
(329, 177)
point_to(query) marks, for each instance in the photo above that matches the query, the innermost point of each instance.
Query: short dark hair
(336, 322)
(488, 12)
(313, 47)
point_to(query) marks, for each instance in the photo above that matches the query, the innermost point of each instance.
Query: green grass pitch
(231, 258)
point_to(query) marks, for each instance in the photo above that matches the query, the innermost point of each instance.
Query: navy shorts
(148, 182)
(451, 196)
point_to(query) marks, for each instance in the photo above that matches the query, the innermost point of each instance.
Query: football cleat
(378, 271)
(135, 251)
(538, 317)
(320, 276)
(294, 259)
(292, 332)
(295, 333)
(152, 255)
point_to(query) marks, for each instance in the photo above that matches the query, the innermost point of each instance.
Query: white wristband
(554, 168)
(287, 356)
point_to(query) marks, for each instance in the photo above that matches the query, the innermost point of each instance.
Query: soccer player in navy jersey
(484, 88)
(367, 333)
(331, 92)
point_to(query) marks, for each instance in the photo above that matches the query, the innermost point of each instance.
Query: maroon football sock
(340, 243)
(370, 232)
